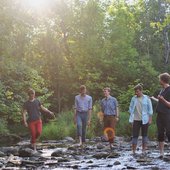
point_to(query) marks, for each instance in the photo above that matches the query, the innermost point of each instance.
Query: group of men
(140, 110)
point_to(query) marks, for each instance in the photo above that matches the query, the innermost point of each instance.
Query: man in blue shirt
(109, 107)
(141, 111)
(82, 113)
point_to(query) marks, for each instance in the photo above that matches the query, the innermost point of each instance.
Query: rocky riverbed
(66, 154)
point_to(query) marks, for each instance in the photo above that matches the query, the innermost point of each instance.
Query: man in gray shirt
(82, 113)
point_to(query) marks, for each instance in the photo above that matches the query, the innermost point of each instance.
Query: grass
(63, 126)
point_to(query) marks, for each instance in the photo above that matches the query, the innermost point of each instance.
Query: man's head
(138, 90)
(83, 90)
(164, 79)
(106, 91)
(31, 94)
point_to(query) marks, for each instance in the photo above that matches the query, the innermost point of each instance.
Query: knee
(168, 135)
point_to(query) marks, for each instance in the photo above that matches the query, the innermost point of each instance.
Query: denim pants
(81, 124)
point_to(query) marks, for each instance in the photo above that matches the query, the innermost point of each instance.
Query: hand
(25, 124)
(150, 121)
(117, 119)
(52, 115)
(89, 122)
(75, 122)
(161, 98)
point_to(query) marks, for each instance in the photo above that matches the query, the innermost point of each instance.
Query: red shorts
(35, 129)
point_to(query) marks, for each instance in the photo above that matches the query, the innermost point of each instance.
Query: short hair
(138, 87)
(107, 88)
(82, 87)
(31, 91)
(165, 77)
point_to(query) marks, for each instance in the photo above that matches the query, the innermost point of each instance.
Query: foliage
(63, 126)
(93, 42)
(3, 127)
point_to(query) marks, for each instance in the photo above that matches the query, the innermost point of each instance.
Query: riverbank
(66, 154)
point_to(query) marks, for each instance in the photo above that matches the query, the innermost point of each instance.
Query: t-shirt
(161, 107)
(138, 109)
(33, 109)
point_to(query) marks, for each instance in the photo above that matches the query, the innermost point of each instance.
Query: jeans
(35, 129)
(163, 125)
(82, 118)
(137, 125)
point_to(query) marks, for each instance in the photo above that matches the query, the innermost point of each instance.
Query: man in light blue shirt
(141, 111)
(82, 113)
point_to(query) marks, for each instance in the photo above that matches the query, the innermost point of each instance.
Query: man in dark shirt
(32, 107)
(163, 110)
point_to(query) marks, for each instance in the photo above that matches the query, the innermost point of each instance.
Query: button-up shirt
(83, 103)
(109, 106)
(147, 109)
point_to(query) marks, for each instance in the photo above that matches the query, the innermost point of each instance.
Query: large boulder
(8, 139)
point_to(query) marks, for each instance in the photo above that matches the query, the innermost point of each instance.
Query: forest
(54, 46)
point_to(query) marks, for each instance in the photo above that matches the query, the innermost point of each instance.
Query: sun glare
(37, 5)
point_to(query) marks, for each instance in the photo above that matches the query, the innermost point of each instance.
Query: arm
(24, 113)
(162, 99)
(75, 111)
(46, 110)
(90, 111)
(150, 110)
(117, 110)
(154, 98)
(131, 110)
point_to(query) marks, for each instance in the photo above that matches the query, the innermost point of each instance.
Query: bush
(63, 126)
(3, 127)
(123, 127)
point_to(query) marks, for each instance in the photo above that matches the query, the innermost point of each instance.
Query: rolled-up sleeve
(75, 103)
(90, 103)
(150, 108)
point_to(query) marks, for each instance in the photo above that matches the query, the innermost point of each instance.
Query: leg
(105, 122)
(161, 133)
(144, 136)
(167, 126)
(112, 125)
(135, 131)
(79, 127)
(38, 128)
(84, 125)
(32, 128)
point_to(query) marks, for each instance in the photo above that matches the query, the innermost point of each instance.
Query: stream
(66, 154)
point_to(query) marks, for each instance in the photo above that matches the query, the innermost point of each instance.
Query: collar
(107, 98)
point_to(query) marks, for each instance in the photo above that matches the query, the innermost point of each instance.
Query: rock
(63, 160)
(131, 167)
(113, 155)
(2, 154)
(27, 152)
(69, 139)
(9, 139)
(117, 163)
(1, 164)
(100, 146)
(10, 150)
(101, 155)
(57, 153)
(27, 162)
(89, 162)
(141, 160)
(166, 158)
